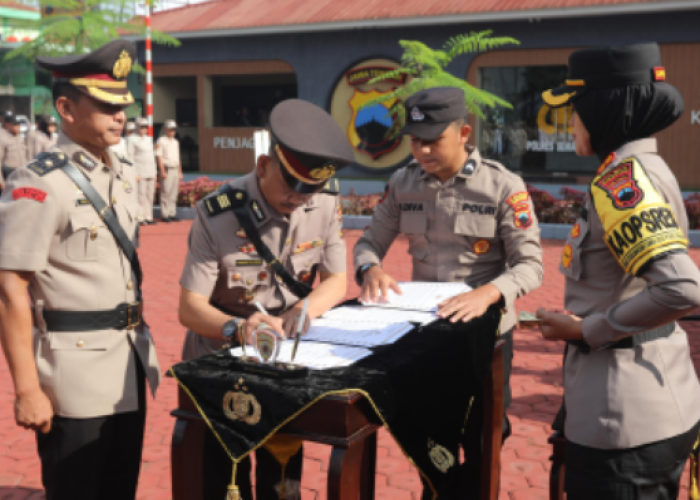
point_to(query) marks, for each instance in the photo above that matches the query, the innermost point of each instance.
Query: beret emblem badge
(417, 114)
(122, 67)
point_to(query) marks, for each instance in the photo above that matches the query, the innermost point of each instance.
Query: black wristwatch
(230, 329)
(362, 270)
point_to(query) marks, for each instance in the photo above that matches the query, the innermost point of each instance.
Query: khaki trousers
(168, 194)
(147, 188)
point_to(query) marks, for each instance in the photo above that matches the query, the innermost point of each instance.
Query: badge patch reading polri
(639, 225)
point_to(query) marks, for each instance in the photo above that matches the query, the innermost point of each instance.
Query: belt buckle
(133, 315)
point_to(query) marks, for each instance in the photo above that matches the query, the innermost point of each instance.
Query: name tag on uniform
(249, 262)
(479, 209)
(410, 206)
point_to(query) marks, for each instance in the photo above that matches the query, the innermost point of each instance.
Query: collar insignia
(82, 159)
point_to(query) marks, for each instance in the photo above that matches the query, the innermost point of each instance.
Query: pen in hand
(300, 327)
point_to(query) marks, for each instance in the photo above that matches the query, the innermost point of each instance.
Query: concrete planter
(548, 231)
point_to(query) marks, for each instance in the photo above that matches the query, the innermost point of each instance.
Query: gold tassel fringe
(694, 492)
(233, 491)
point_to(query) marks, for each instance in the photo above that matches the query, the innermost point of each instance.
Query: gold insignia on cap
(323, 172)
(122, 66)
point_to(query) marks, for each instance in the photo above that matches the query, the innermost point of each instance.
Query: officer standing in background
(31, 135)
(631, 393)
(13, 147)
(294, 227)
(129, 130)
(44, 135)
(467, 219)
(140, 150)
(67, 227)
(170, 167)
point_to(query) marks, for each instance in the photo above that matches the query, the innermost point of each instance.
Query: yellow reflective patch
(639, 225)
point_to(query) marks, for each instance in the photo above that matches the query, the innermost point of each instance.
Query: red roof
(251, 14)
(18, 6)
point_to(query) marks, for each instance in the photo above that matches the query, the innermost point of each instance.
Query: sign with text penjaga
(234, 143)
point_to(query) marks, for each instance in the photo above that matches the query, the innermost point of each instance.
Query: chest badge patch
(481, 247)
(247, 248)
(566, 256)
(241, 233)
(620, 186)
(29, 193)
(576, 231)
(307, 245)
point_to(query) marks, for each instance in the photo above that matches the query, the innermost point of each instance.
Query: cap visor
(425, 131)
(300, 186)
(115, 97)
(561, 96)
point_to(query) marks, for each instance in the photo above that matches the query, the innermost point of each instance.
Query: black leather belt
(631, 342)
(123, 316)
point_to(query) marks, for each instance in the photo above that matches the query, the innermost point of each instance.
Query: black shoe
(174, 219)
(151, 222)
(165, 219)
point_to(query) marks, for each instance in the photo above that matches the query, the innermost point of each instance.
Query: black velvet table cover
(421, 387)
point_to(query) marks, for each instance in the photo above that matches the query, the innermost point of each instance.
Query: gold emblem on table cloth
(440, 456)
(239, 405)
(122, 67)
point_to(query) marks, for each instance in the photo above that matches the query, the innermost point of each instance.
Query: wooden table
(349, 425)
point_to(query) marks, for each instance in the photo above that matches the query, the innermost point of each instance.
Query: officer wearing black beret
(630, 389)
(80, 357)
(263, 238)
(467, 219)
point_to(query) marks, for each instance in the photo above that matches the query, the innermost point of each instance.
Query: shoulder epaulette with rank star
(332, 187)
(124, 160)
(47, 162)
(224, 199)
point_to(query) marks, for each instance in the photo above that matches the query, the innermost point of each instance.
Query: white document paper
(360, 333)
(420, 295)
(362, 314)
(314, 355)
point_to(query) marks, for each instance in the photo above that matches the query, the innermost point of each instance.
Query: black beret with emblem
(608, 67)
(430, 111)
(309, 144)
(101, 74)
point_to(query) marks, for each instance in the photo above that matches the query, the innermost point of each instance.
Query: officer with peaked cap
(294, 223)
(170, 168)
(630, 390)
(140, 150)
(467, 219)
(13, 147)
(67, 229)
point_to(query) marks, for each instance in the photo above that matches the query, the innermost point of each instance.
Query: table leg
(369, 467)
(345, 471)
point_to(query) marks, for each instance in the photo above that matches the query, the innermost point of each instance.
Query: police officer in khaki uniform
(31, 136)
(80, 373)
(467, 219)
(170, 167)
(45, 135)
(140, 150)
(631, 393)
(226, 271)
(13, 147)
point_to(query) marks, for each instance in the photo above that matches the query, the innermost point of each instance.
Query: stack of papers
(316, 355)
(420, 295)
(360, 333)
(362, 314)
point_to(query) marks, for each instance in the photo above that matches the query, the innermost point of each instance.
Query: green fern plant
(86, 26)
(425, 68)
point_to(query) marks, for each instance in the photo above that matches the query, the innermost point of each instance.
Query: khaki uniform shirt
(140, 151)
(41, 143)
(478, 227)
(47, 229)
(13, 151)
(169, 150)
(623, 398)
(223, 265)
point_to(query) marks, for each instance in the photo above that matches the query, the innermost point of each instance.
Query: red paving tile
(536, 385)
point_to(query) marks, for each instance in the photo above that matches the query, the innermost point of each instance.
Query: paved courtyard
(536, 386)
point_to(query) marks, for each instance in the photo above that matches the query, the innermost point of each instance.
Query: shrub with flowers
(692, 207)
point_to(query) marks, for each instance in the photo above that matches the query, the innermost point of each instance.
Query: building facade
(222, 82)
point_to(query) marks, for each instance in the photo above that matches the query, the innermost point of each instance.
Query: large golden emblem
(238, 405)
(440, 456)
(122, 67)
(324, 172)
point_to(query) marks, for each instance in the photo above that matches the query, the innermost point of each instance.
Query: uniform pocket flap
(414, 222)
(249, 277)
(82, 341)
(85, 219)
(480, 226)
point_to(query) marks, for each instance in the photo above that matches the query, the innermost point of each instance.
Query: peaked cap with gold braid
(101, 74)
(608, 67)
(309, 144)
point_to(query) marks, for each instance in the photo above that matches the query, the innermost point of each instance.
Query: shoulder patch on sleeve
(522, 213)
(29, 193)
(47, 162)
(224, 199)
(639, 225)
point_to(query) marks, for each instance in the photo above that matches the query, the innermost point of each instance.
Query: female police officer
(631, 393)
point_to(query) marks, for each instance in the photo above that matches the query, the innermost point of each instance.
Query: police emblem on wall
(366, 128)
